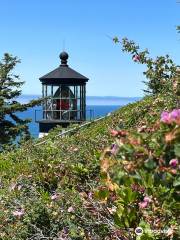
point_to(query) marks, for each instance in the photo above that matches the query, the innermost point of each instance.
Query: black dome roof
(63, 74)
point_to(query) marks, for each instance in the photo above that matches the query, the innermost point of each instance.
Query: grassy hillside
(45, 189)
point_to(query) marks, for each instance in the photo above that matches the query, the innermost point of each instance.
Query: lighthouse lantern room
(64, 97)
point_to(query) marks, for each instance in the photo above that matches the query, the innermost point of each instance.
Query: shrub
(141, 179)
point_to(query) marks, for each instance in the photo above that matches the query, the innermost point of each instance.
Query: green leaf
(150, 164)
(117, 220)
(115, 39)
(177, 149)
(102, 194)
(119, 210)
(176, 182)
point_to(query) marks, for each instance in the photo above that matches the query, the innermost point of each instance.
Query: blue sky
(35, 31)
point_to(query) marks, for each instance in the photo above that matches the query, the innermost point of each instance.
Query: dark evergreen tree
(11, 126)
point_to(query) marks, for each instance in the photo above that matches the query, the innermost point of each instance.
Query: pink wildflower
(18, 213)
(54, 196)
(173, 162)
(70, 210)
(136, 58)
(114, 133)
(120, 133)
(165, 117)
(147, 199)
(171, 117)
(143, 204)
(175, 116)
(114, 149)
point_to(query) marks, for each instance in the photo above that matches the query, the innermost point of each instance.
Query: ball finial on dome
(64, 57)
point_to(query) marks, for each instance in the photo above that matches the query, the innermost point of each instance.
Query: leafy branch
(160, 71)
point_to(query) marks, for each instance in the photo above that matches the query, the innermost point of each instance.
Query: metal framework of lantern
(64, 102)
(64, 94)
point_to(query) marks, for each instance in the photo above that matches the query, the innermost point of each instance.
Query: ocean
(100, 106)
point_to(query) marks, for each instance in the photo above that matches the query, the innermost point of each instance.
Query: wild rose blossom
(175, 116)
(145, 202)
(165, 118)
(136, 58)
(171, 117)
(173, 162)
(114, 133)
(147, 199)
(121, 133)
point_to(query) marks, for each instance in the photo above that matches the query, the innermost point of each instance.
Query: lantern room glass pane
(78, 91)
(64, 102)
(48, 91)
(71, 92)
(55, 89)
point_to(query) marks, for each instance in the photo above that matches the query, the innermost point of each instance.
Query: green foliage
(56, 188)
(11, 125)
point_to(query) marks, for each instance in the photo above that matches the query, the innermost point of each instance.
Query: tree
(11, 126)
(160, 72)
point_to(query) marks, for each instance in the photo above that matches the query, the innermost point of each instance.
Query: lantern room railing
(64, 115)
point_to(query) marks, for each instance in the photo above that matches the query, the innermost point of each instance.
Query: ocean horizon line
(88, 96)
(90, 100)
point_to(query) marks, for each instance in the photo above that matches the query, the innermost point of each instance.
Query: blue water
(100, 106)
